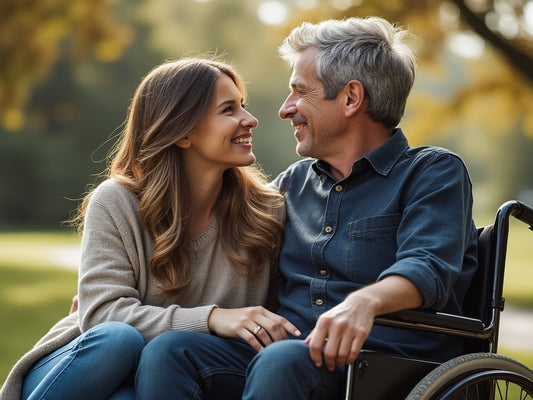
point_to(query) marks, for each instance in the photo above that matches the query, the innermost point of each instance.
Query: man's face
(317, 121)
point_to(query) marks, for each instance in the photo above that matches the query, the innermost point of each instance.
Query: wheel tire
(456, 369)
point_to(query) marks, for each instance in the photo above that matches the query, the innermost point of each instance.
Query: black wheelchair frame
(481, 373)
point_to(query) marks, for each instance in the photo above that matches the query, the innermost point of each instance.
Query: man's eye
(298, 92)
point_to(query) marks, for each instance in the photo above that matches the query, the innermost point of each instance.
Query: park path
(516, 329)
(516, 326)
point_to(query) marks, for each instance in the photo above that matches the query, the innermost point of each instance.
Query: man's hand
(256, 325)
(340, 333)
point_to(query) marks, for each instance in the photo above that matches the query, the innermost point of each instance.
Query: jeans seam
(78, 347)
(43, 363)
(214, 371)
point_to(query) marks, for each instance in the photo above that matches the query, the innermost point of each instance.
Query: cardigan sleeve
(114, 272)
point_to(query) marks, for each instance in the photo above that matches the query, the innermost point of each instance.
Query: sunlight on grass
(32, 300)
(26, 295)
(518, 286)
(524, 357)
(37, 281)
(57, 249)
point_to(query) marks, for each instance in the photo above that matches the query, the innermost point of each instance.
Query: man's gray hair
(369, 50)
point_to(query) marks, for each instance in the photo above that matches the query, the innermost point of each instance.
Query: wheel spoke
(501, 389)
(478, 376)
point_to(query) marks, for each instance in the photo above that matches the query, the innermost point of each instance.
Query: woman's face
(223, 138)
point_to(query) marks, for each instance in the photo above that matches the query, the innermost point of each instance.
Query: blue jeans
(96, 365)
(284, 370)
(190, 365)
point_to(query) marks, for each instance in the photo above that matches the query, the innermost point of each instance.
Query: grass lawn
(36, 286)
(518, 285)
(34, 291)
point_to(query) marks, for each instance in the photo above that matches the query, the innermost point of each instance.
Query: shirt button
(319, 302)
(328, 229)
(323, 272)
(338, 188)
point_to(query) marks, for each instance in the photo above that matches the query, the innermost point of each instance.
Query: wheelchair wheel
(477, 376)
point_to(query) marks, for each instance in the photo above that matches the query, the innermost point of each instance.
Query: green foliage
(32, 36)
(69, 119)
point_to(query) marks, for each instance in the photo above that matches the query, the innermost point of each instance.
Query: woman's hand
(74, 305)
(256, 325)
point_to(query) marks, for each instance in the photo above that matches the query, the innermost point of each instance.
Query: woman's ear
(355, 94)
(184, 142)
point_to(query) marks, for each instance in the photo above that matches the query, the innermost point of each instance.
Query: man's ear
(355, 95)
(184, 142)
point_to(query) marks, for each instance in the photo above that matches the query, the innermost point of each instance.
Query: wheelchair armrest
(522, 212)
(434, 322)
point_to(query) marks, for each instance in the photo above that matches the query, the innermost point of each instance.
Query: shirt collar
(387, 155)
(381, 159)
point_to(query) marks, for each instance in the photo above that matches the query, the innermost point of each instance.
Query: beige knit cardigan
(115, 283)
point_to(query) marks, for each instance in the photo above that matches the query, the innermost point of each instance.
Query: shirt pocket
(371, 247)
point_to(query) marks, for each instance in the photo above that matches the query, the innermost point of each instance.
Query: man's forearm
(394, 293)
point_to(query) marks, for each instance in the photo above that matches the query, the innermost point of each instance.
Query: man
(374, 226)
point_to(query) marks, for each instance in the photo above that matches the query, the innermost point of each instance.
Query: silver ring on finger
(257, 329)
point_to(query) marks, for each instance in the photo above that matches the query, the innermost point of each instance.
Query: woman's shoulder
(111, 191)
(111, 198)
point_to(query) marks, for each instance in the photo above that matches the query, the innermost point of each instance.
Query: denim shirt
(402, 211)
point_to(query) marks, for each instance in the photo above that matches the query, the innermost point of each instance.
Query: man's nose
(288, 108)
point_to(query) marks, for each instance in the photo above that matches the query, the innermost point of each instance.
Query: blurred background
(68, 70)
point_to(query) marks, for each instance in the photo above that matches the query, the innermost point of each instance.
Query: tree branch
(520, 60)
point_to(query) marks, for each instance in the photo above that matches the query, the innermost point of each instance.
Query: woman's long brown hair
(167, 106)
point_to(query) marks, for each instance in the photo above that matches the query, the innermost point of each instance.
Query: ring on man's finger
(257, 329)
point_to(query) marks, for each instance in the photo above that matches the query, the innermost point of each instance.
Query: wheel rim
(492, 384)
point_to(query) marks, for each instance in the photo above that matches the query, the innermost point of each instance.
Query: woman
(183, 236)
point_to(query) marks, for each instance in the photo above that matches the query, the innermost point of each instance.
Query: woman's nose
(250, 120)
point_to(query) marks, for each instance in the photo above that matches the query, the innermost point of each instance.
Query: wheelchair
(480, 373)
